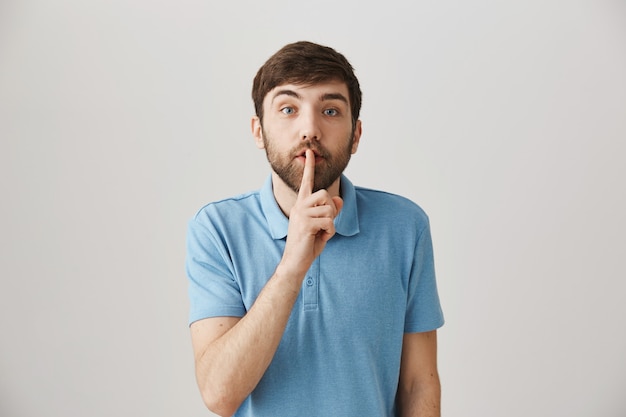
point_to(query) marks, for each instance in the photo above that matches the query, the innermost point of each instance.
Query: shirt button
(309, 282)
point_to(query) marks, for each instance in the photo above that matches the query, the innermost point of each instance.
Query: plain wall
(505, 121)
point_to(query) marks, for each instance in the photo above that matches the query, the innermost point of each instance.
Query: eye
(331, 112)
(288, 110)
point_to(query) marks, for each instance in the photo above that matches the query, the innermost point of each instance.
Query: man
(313, 297)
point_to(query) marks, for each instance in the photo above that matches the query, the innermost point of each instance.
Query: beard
(326, 171)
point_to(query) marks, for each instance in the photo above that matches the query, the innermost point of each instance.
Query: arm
(419, 389)
(232, 354)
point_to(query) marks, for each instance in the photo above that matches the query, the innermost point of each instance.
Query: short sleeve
(424, 311)
(213, 291)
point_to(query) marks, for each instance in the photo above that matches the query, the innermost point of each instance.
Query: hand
(310, 221)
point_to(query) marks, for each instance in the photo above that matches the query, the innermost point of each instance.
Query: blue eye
(331, 112)
(287, 110)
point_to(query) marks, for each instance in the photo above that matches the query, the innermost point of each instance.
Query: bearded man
(313, 297)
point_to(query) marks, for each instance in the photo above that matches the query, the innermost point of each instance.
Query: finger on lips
(306, 187)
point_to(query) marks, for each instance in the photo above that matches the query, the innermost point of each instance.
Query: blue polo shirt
(374, 281)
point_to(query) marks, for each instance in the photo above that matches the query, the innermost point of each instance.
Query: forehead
(310, 92)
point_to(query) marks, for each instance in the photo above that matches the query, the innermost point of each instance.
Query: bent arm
(232, 354)
(419, 389)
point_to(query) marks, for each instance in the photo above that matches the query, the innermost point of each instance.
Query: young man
(313, 297)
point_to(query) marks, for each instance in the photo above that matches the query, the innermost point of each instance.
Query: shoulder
(382, 201)
(227, 216)
(232, 206)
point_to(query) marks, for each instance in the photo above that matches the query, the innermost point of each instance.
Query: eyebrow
(286, 92)
(335, 96)
(324, 97)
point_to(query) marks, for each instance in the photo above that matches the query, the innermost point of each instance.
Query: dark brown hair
(305, 63)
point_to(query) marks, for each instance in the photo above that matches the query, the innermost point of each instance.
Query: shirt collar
(346, 223)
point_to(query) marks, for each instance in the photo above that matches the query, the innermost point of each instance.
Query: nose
(309, 128)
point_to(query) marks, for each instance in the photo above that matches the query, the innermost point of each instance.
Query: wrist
(290, 274)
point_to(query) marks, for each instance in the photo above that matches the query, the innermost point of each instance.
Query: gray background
(505, 121)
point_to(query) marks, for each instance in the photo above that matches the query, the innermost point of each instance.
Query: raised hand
(232, 353)
(310, 221)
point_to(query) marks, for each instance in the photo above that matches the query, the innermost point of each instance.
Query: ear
(357, 136)
(257, 132)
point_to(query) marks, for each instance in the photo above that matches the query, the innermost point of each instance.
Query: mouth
(301, 156)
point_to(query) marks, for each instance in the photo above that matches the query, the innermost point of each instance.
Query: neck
(286, 197)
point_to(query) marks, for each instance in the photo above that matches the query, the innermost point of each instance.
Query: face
(299, 117)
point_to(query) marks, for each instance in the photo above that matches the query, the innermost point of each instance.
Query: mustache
(317, 149)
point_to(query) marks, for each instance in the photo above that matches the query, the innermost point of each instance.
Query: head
(305, 63)
(306, 96)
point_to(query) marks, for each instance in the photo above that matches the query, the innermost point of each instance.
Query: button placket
(311, 286)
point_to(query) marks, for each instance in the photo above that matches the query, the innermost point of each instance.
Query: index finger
(306, 187)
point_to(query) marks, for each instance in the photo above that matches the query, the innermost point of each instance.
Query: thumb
(338, 201)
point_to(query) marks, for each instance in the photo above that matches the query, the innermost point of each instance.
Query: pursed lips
(301, 156)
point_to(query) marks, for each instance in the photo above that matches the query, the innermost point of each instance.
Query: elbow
(220, 402)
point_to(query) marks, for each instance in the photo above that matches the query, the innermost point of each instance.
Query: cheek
(278, 132)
